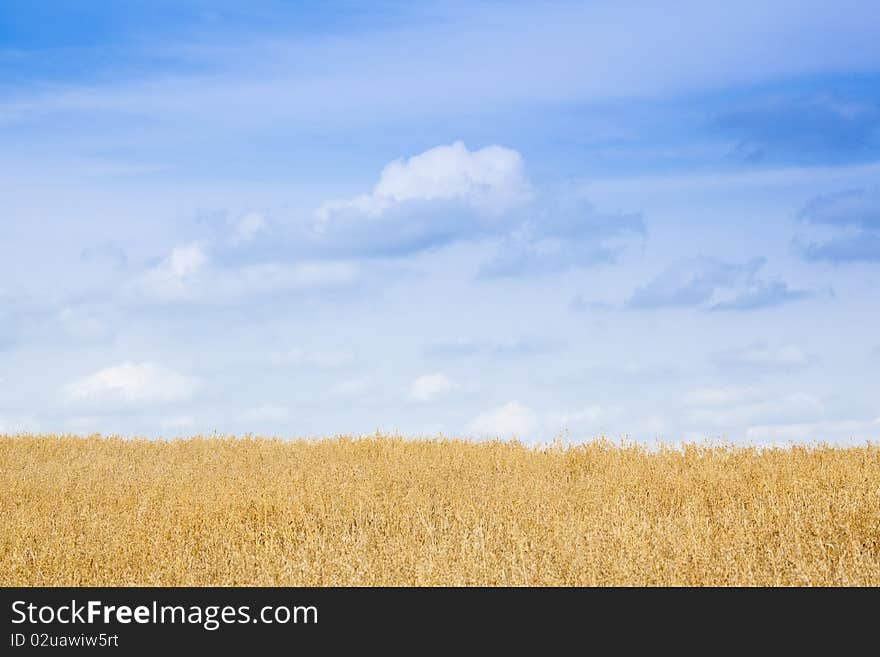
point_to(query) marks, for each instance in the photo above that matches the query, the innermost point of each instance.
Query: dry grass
(386, 511)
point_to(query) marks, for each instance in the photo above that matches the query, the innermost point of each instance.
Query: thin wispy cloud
(594, 52)
(761, 356)
(714, 285)
(812, 129)
(187, 275)
(496, 347)
(854, 216)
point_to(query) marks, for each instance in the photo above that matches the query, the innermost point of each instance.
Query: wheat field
(390, 511)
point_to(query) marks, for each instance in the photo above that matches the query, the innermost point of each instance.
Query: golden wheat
(389, 511)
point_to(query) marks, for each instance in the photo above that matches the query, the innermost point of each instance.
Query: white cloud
(322, 360)
(429, 387)
(492, 176)
(491, 179)
(451, 193)
(248, 228)
(175, 276)
(132, 383)
(265, 413)
(511, 419)
(433, 198)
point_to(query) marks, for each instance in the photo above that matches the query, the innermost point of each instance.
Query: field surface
(388, 511)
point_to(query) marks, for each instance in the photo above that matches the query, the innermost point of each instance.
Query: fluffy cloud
(713, 285)
(132, 384)
(432, 198)
(491, 179)
(854, 216)
(450, 193)
(443, 195)
(510, 420)
(429, 387)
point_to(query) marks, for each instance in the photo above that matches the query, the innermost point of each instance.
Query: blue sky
(639, 219)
